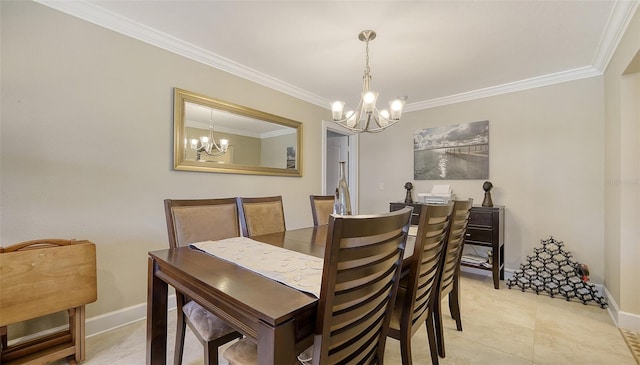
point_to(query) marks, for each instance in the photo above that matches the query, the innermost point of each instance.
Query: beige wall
(246, 150)
(546, 165)
(622, 176)
(86, 143)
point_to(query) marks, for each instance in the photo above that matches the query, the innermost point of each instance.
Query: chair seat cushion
(243, 352)
(208, 325)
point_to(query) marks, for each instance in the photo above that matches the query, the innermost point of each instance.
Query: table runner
(295, 269)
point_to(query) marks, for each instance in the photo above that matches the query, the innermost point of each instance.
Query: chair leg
(77, 331)
(211, 353)
(3, 338)
(405, 347)
(431, 336)
(437, 313)
(181, 328)
(454, 308)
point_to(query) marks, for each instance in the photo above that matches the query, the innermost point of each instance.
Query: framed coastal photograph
(455, 152)
(291, 157)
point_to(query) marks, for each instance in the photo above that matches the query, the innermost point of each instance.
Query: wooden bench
(42, 277)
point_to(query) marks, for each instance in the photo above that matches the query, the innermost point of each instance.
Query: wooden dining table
(279, 318)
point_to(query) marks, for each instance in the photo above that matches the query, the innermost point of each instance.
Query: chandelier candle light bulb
(359, 120)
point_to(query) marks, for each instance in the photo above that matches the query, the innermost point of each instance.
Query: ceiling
(433, 52)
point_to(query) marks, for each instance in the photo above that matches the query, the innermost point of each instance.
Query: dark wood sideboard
(485, 228)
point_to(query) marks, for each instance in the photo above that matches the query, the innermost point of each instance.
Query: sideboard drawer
(480, 218)
(479, 235)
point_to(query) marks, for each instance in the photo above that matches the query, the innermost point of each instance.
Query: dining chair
(362, 266)
(414, 301)
(449, 283)
(262, 215)
(197, 220)
(321, 208)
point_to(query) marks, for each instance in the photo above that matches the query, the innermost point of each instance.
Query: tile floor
(505, 326)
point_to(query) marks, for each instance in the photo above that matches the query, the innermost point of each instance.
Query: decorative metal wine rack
(550, 270)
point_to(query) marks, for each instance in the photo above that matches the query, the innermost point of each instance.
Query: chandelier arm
(212, 153)
(368, 121)
(214, 144)
(376, 118)
(380, 127)
(379, 116)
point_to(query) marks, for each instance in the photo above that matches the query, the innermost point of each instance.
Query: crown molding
(535, 82)
(619, 19)
(110, 20)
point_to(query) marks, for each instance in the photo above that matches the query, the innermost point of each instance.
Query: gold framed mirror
(211, 135)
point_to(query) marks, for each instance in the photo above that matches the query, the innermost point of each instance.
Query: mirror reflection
(216, 136)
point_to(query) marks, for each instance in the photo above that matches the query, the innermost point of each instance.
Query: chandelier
(366, 117)
(208, 145)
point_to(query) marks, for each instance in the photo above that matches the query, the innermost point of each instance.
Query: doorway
(339, 145)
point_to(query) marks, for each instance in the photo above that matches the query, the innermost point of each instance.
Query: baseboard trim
(629, 321)
(622, 319)
(122, 317)
(103, 323)
(508, 273)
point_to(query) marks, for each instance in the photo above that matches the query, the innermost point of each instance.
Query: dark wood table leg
(276, 345)
(156, 317)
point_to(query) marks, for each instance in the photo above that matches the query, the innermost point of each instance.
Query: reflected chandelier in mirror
(212, 135)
